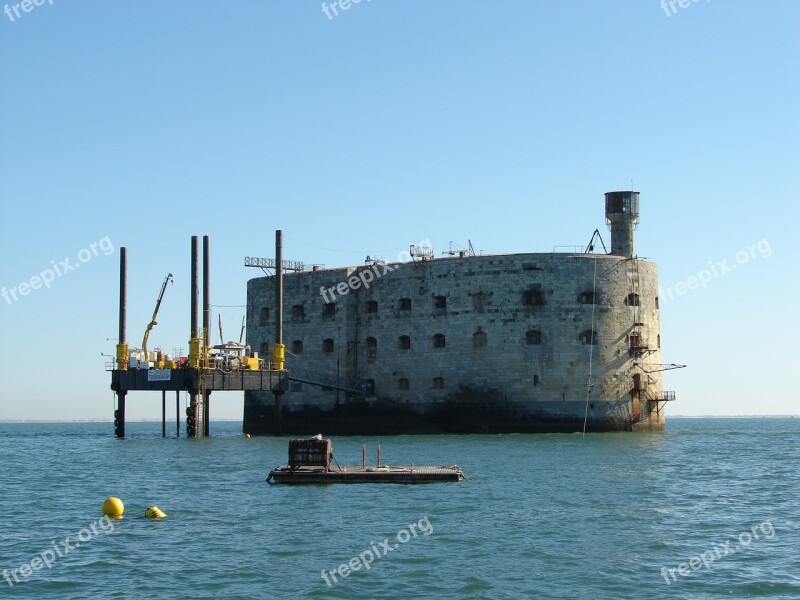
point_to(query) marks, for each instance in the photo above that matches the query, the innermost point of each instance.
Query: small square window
(533, 298)
(587, 298)
(533, 338)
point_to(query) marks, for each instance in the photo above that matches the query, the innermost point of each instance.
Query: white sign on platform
(158, 375)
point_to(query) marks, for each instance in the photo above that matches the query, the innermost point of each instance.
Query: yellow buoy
(154, 512)
(247, 435)
(113, 507)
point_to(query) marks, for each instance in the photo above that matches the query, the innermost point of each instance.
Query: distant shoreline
(45, 421)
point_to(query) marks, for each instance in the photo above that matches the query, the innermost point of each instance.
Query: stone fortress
(540, 342)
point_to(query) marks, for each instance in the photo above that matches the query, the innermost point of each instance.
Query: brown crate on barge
(310, 453)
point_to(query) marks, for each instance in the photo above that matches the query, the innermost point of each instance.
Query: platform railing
(206, 364)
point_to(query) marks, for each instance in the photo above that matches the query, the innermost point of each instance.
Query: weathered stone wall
(512, 324)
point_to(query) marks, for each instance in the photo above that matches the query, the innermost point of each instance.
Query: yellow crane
(167, 279)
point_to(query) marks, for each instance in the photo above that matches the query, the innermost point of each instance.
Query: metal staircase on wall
(638, 347)
(637, 343)
(641, 392)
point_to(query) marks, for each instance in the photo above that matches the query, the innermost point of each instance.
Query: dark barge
(310, 462)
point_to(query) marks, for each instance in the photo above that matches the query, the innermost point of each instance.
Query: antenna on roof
(451, 251)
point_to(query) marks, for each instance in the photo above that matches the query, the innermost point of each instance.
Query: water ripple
(600, 516)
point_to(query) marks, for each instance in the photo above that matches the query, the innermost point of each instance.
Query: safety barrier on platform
(212, 364)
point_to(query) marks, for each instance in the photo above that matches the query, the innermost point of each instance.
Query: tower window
(402, 384)
(404, 342)
(327, 345)
(587, 298)
(297, 347)
(635, 340)
(632, 299)
(405, 303)
(371, 306)
(329, 310)
(479, 339)
(533, 337)
(438, 340)
(438, 383)
(263, 316)
(298, 311)
(589, 337)
(263, 350)
(479, 301)
(371, 345)
(533, 298)
(439, 302)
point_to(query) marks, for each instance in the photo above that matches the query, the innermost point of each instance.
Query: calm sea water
(546, 516)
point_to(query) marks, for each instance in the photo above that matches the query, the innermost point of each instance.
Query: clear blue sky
(142, 123)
